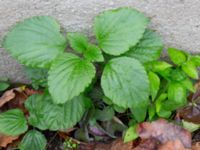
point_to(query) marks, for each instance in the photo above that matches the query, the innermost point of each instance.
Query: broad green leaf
(148, 49)
(131, 134)
(190, 69)
(125, 82)
(119, 109)
(13, 122)
(33, 140)
(104, 115)
(139, 112)
(196, 60)
(107, 100)
(157, 66)
(78, 41)
(154, 81)
(44, 114)
(3, 86)
(93, 53)
(36, 41)
(119, 29)
(69, 75)
(178, 57)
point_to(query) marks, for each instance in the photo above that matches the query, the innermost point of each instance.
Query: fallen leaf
(5, 140)
(30, 92)
(164, 132)
(191, 112)
(172, 145)
(6, 97)
(148, 144)
(16, 97)
(196, 146)
(117, 144)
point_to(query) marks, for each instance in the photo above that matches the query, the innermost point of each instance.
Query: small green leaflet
(157, 66)
(119, 29)
(13, 122)
(160, 103)
(131, 134)
(36, 41)
(78, 41)
(190, 69)
(69, 75)
(154, 84)
(178, 57)
(188, 84)
(176, 96)
(151, 112)
(33, 140)
(44, 114)
(148, 49)
(121, 82)
(93, 53)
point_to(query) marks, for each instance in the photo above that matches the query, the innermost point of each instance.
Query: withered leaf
(196, 146)
(6, 97)
(148, 144)
(164, 131)
(191, 113)
(5, 140)
(172, 145)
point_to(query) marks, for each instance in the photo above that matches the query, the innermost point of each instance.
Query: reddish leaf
(191, 113)
(30, 92)
(164, 132)
(5, 140)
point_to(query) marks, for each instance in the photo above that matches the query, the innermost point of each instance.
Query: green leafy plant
(123, 61)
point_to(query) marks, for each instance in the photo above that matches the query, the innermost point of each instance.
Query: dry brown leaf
(118, 144)
(164, 132)
(172, 145)
(148, 144)
(6, 97)
(5, 140)
(196, 146)
(30, 92)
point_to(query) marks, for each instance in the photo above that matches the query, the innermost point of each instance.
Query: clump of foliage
(91, 82)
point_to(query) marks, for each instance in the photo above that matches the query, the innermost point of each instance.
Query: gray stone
(178, 21)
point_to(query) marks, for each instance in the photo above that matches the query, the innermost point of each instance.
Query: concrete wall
(178, 21)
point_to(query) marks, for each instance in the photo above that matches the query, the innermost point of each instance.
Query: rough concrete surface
(178, 21)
